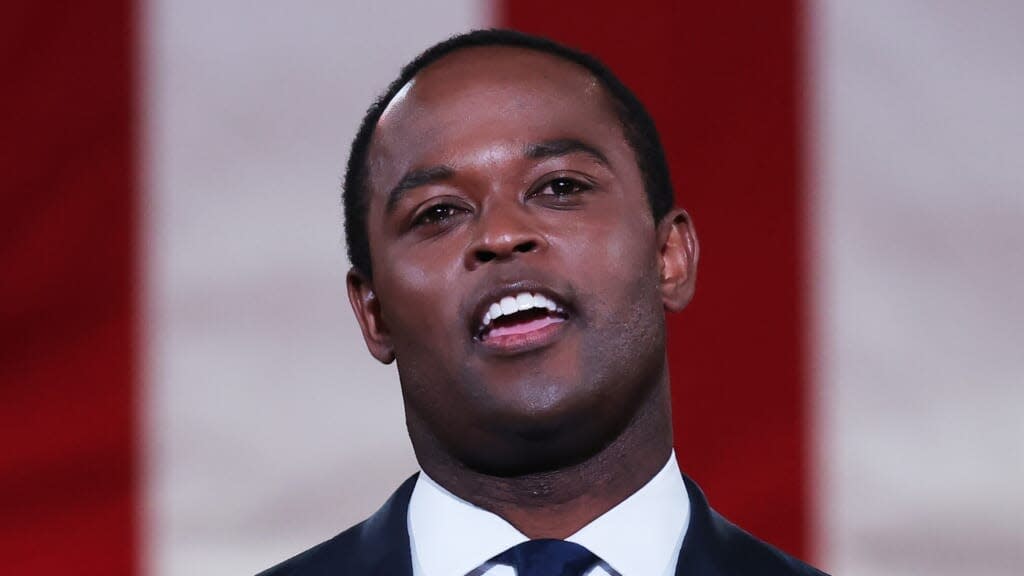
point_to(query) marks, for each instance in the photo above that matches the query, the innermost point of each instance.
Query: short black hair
(637, 125)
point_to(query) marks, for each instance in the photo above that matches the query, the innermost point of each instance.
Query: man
(514, 245)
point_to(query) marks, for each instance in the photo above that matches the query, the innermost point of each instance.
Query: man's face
(517, 266)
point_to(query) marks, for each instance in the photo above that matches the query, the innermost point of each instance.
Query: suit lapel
(701, 551)
(384, 541)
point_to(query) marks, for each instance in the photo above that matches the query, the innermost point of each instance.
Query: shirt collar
(449, 536)
(640, 536)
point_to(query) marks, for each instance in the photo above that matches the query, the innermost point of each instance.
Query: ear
(678, 255)
(366, 307)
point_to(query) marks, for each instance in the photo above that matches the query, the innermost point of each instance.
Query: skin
(551, 434)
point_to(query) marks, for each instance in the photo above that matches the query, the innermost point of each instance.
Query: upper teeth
(518, 303)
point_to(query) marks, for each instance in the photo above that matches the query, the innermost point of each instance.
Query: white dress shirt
(641, 536)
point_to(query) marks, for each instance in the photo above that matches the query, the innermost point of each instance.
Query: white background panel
(268, 426)
(919, 210)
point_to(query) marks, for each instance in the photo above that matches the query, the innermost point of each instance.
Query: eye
(562, 190)
(565, 187)
(435, 214)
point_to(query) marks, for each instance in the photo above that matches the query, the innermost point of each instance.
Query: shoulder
(378, 545)
(742, 553)
(334, 556)
(715, 546)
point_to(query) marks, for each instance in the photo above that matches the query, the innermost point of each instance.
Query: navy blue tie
(547, 557)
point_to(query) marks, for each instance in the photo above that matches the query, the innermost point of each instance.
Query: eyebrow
(415, 179)
(564, 147)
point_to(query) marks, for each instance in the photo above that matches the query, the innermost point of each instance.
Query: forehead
(486, 69)
(488, 96)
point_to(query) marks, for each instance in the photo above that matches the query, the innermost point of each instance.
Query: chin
(538, 442)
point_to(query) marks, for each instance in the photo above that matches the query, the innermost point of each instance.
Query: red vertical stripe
(723, 81)
(67, 274)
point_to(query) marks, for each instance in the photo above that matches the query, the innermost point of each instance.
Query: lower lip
(529, 336)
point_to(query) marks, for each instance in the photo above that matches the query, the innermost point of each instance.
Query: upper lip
(497, 291)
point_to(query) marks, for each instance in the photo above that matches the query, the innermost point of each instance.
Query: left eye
(562, 187)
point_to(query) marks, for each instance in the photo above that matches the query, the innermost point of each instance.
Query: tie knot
(548, 557)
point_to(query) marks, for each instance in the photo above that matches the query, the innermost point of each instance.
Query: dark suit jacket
(713, 546)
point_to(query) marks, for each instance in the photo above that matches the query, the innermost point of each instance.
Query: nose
(502, 233)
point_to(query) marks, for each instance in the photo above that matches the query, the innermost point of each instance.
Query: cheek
(625, 341)
(617, 257)
(621, 281)
(415, 306)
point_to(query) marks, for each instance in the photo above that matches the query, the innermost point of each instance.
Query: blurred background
(183, 389)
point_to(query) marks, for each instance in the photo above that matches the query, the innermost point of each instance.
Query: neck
(558, 503)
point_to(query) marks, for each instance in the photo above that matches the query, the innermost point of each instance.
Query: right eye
(434, 215)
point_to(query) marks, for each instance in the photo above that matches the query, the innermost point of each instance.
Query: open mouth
(517, 317)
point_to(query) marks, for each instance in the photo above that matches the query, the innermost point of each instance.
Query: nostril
(525, 246)
(502, 251)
